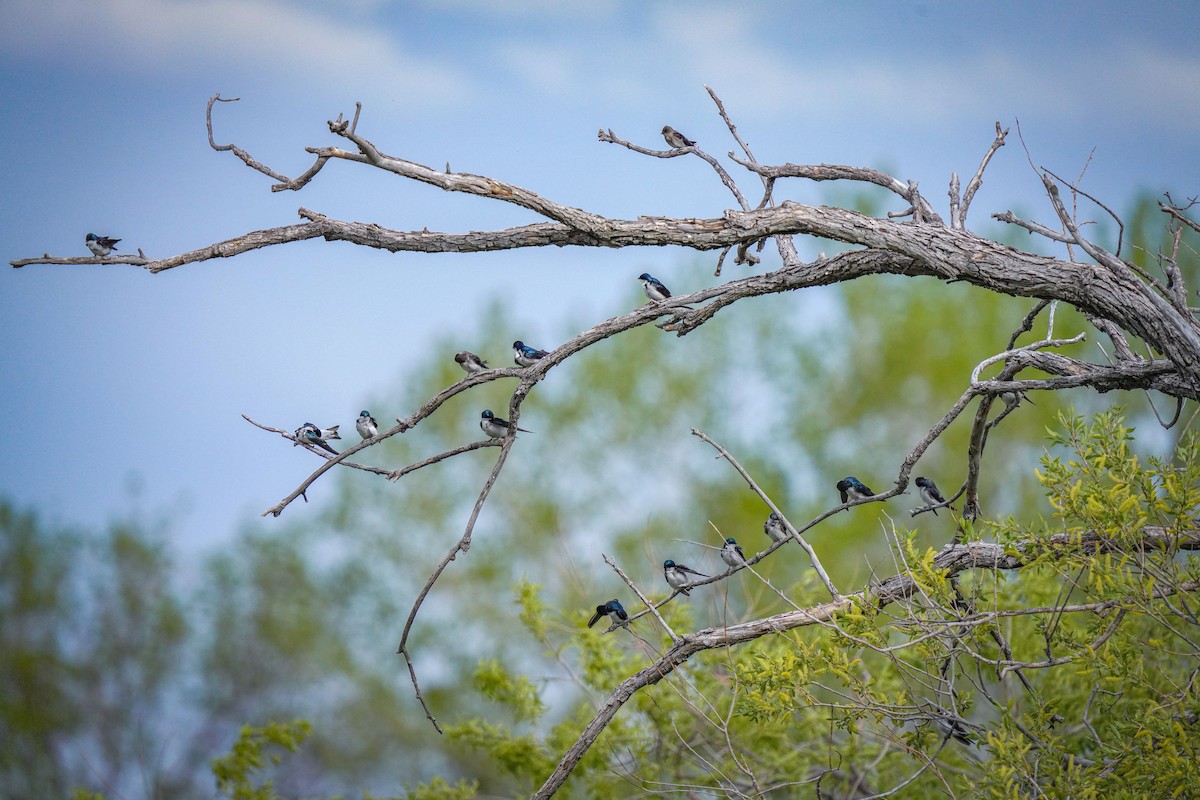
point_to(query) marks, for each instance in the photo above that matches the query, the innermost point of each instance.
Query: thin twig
(812, 554)
(649, 605)
(461, 546)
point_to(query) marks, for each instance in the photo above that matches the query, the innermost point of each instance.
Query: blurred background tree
(125, 673)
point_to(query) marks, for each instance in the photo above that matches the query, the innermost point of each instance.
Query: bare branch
(461, 546)
(653, 609)
(839, 172)
(955, 218)
(952, 559)
(611, 138)
(1008, 354)
(1074, 187)
(313, 449)
(46, 258)
(1033, 227)
(246, 158)
(1179, 215)
(977, 181)
(812, 554)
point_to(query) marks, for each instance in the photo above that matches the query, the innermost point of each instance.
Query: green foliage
(253, 753)
(1111, 717)
(1106, 490)
(439, 789)
(92, 641)
(300, 618)
(516, 692)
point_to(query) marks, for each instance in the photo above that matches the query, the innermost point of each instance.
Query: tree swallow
(470, 362)
(654, 287)
(367, 426)
(1014, 399)
(930, 493)
(731, 553)
(495, 427)
(853, 489)
(951, 727)
(773, 528)
(613, 610)
(677, 575)
(311, 434)
(676, 139)
(525, 355)
(100, 245)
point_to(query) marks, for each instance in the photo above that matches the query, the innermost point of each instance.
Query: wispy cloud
(272, 37)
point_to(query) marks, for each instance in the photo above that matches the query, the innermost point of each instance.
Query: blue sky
(124, 390)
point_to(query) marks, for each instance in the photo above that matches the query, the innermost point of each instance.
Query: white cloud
(556, 10)
(726, 48)
(272, 37)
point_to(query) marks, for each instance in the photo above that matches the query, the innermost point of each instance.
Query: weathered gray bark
(1121, 299)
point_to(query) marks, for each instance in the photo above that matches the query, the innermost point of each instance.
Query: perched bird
(654, 288)
(470, 362)
(614, 611)
(311, 434)
(731, 553)
(950, 727)
(930, 493)
(367, 426)
(495, 427)
(525, 355)
(853, 489)
(675, 138)
(677, 575)
(773, 528)
(1013, 399)
(100, 245)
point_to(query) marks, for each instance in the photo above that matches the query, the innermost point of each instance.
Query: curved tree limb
(892, 248)
(1110, 291)
(952, 559)
(1119, 297)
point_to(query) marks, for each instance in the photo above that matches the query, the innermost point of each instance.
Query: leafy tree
(913, 675)
(91, 646)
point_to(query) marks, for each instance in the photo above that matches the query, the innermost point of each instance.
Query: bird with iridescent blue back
(366, 425)
(525, 355)
(853, 489)
(496, 427)
(929, 493)
(613, 610)
(654, 288)
(677, 575)
(311, 434)
(731, 553)
(675, 139)
(774, 528)
(100, 245)
(470, 362)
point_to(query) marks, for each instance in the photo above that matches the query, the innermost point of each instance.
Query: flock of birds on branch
(676, 574)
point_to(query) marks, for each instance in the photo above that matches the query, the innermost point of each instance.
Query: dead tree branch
(1110, 292)
(953, 559)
